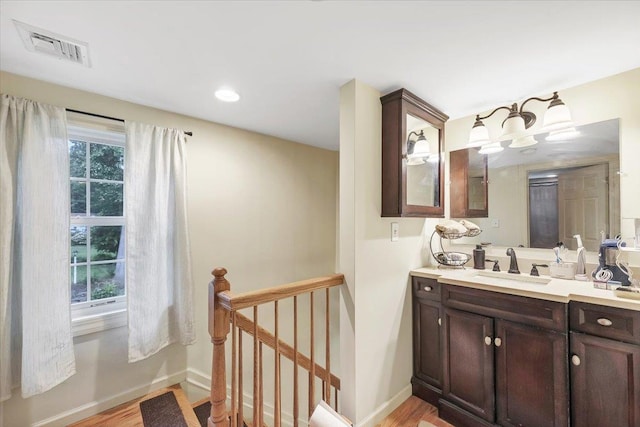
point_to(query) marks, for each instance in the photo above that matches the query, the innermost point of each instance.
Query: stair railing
(224, 319)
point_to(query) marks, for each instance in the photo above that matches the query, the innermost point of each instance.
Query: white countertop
(556, 290)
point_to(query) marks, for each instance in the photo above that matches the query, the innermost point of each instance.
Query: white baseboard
(95, 407)
(386, 408)
(201, 380)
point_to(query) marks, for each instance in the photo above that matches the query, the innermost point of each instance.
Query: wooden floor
(128, 414)
(411, 412)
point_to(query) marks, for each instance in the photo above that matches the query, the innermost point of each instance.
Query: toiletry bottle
(478, 258)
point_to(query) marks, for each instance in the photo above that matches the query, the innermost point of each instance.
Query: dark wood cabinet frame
(459, 188)
(395, 107)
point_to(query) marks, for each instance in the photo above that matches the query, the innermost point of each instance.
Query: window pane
(78, 283)
(107, 162)
(105, 243)
(78, 198)
(78, 244)
(106, 199)
(78, 158)
(107, 280)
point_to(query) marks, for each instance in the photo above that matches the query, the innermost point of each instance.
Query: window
(97, 229)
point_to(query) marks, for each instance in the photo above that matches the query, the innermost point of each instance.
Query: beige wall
(376, 358)
(262, 207)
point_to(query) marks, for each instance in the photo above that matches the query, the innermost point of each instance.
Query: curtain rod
(108, 118)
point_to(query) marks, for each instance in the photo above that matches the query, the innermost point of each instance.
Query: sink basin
(501, 275)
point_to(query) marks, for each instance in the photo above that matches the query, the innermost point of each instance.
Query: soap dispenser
(478, 258)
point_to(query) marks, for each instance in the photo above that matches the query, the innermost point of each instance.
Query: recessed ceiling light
(227, 95)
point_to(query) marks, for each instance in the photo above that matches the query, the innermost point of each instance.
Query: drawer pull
(498, 342)
(487, 340)
(427, 289)
(603, 321)
(575, 360)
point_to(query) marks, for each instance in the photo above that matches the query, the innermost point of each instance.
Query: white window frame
(94, 316)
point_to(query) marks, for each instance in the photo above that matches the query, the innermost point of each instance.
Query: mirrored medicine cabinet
(412, 157)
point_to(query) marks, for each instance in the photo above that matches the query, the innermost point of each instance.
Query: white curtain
(158, 261)
(36, 345)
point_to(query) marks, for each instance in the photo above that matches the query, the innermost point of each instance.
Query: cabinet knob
(603, 321)
(427, 289)
(487, 340)
(498, 342)
(575, 360)
(439, 321)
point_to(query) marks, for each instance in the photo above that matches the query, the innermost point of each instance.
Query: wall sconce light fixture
(417, 150)
(518, 121)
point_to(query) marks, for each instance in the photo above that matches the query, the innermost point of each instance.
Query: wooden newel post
(218, 329)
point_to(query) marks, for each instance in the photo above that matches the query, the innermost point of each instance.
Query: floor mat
(202, 412)
(162, 411)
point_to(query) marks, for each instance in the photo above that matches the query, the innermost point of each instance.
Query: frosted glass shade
(478, 136)
(420, 149)
(433, 158)
(562, 135)
(556, 117)
(415, 161)
(493, 147)
(524, 141)
(513, 127)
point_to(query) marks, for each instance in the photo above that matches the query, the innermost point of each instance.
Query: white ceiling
(288, 59)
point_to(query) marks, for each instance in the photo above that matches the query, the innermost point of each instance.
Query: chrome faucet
(513, 265)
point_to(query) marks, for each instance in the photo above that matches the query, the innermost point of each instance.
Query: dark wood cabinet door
(427, 361)
(468, 362)
(605, 382)
(531, 376)
(469, 191)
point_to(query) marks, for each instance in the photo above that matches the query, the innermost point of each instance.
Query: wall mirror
(422, 164)
(549, 192)
(412, 164)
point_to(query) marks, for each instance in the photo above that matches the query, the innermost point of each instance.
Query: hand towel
(451, 226)
(469, 225)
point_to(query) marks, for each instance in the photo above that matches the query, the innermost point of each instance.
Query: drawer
(607, 322)
(426, 288)
(529, 311)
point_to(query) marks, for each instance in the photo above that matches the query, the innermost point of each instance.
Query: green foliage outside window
(103, 174)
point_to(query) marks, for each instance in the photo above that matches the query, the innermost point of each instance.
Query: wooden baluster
(336, 401)
(256, 370)
(277, 408)
(312, 372)
(295, 362)
(240, 382)
(261, 390)
(218, 330)
(234, 398)
(327, 381)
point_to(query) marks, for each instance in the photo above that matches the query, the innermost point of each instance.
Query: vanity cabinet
(412, 164)
(469, 184)
(605, 366)
(504, 360)
(426, 382)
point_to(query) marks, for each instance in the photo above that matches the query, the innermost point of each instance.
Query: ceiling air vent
(42, 41)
